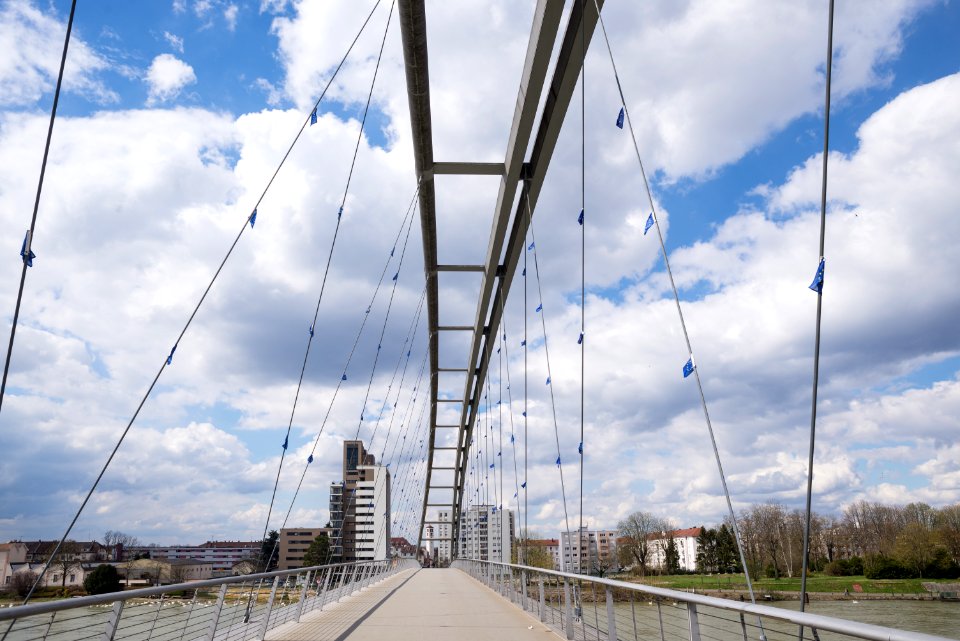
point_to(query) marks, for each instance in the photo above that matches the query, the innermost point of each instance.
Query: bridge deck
(432, 604)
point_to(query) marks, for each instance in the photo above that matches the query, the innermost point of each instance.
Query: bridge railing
(238, 608)
(588, 608)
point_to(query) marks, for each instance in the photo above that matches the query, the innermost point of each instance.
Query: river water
(641, 620)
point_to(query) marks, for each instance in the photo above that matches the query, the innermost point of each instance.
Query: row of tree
(920, 539)
(887, 541)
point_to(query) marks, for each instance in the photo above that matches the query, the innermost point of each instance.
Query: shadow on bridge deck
(418, 604)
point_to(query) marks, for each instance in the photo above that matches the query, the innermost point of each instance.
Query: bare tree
(948, 529)
(22, 581)
(67, 559)
(636, 530)
(112, 538)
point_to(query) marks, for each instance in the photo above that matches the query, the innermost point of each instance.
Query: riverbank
(819, 587)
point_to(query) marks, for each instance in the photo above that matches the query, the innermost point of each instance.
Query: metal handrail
(31, 609)
(805, 619)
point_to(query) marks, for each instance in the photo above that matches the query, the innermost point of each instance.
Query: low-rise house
(11, 553)
(685, 544)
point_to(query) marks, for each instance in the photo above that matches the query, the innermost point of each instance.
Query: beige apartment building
(294, 543)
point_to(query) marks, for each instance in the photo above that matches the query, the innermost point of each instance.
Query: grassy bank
(815, 583)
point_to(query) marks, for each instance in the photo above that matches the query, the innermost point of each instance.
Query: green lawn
(815, 583)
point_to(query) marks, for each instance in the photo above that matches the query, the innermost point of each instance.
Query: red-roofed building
(685, 541)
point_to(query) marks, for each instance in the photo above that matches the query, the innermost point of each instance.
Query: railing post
(694, 622)
(568, 608)
(543, 610)
(611, 617)
(113, 621)
(303, 596)
(523, 589)
(193, 604)
(660, 619)
(743, 627)
(216, 612)
(323, 590)
(266, 618)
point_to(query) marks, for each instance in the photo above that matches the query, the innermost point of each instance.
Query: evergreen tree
(269, 552)
(319, 551)
(103, 580)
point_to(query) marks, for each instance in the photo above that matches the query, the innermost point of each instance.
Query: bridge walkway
(427, 604)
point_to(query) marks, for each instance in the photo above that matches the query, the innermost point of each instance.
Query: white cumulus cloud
(166, 76)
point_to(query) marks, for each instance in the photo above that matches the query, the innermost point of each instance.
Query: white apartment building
(486, 533)
(373, 513)
(591, 550)
(684, 540)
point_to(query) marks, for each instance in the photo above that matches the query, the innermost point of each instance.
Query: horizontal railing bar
(817, 621)
(21, 611)
(455, 328)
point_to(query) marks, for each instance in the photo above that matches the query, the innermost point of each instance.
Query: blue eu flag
(649, 224)
(313, 117)
(620, 118)
(817, 284)
(253, 218)
(688, 367)
(580, 217)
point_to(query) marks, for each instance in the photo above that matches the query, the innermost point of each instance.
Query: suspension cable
(546, 350)
(26, 253)
(816, 343)
(251, 218)
(676, 296)
(326, 270)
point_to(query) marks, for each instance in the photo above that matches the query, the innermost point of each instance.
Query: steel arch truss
(510, 220)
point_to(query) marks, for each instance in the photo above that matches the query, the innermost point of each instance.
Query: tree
(948, 529)
(707, 551)
(113, 538)
(319, 551)
(103, 580)
(916, 548)
(636, 530)
(671, 555)
(22, 581)
(269, 552)
(67, 559)
(728, 556)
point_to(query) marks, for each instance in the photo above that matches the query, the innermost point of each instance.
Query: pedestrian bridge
(397, 599)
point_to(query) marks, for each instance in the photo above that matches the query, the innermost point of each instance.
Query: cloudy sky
(175, 114)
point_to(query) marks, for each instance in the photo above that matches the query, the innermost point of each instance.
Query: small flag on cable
(649, 224)
(396, 276)
(512, 439)
(817, 284)
(170, 357)
(523, 342)
(491, 466)
(620, 118)
(524, 413)
(515, 494)
(580, 340)
(539, 308)
(26, 253)
(580, 218)
(340, 212)
(313, 116)
(524, 485)
(253, 218)
(558, 461)
(343, 378)
(500, 453)
(310, 459)
(311, 331)
(580, 449)
(531, 246)
(286, 442)
(689, 366)
(524, 272)
(548, 380)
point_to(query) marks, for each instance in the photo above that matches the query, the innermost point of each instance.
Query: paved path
(430, 604)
